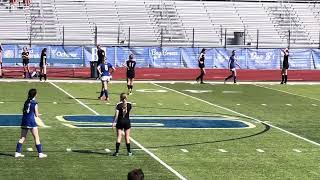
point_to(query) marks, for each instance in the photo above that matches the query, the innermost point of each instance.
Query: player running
(105, 70)
(25, 62)
(201, 66)
(130, 65)
(30, 113)
(43, 64)
(122, 122)
(285, 66)
(232, 67)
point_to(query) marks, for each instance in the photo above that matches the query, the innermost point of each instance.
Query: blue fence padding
(167, 57)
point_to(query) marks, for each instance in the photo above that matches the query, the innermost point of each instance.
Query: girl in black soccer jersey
(130, 65)
(43, 64)
(122, 122)
(201, 66)
(285, 66)
(25, 62)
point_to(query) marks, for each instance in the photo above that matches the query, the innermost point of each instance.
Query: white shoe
(17, 155)
(41, 155)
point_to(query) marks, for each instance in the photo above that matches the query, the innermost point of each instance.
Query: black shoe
(202, 83)
(281, 83)
(115, 154)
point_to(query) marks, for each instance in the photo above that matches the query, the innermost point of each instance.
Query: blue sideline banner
(263, 58)
(300, 59)
(316, 58)
(166, 57)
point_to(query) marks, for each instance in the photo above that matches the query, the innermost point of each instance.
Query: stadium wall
(165, 57)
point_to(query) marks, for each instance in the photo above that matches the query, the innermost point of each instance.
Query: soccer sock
(282, 78)
(29, 74)
(45, 77)
(128, 147)
(117, 147)
(131, 87)
(201, 76)
(101, 93)
(128, 86)
(40, 76)
(285, 78)
(106, 93)
(228, 77)
(235, 79)
(39, 148)
(19, 147)
(25, 74)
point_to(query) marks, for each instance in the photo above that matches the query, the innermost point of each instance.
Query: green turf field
(285, 147)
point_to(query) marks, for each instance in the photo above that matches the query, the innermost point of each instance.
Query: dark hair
(31, 94)
(123, 99)
(136, 174)
(43, 51)
(131, 56)
(203, 50)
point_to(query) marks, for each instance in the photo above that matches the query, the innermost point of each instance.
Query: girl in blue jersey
(30, 113)
(232, 67)
(105, 70)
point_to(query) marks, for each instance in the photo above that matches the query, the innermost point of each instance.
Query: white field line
(235, 112)
(69, 149)
(222, 150)
(134, 141)
(184, 150)
(297, 150)
(107, 150)
(260, 150)
(287, 92)
(29, 149)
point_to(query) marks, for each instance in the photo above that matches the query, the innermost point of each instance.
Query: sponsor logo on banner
(158, 54)
(62, 54)
(8, 54)
(94, 54)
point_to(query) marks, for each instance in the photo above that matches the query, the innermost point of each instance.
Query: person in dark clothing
(25, 62)
(130, 65)
(101, 56)
(285, 66)
(43, 64)
(122, 122)
(201, 66)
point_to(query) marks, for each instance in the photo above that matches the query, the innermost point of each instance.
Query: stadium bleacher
(167, 22)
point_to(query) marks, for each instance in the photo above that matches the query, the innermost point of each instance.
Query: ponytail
(31, 94)
(123, 99)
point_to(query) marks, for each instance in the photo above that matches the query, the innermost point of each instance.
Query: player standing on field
(43, 64)
(121, 121)
(30, 113)
(105, 71)
(25, 62)
(232, 67)
(201, 66)
(285, 66)
(101, 56)
(130, 65)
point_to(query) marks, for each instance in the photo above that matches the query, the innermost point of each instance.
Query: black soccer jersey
(43, 60)
(101, 55)
(131, 65)
(123, 121)
(285, 61)
(25, 58)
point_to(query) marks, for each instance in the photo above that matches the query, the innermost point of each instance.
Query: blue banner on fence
(316, 58)
(166, 57)
(263, 58)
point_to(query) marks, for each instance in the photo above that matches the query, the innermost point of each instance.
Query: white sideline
(287, 92)
(230, 110)
(134, 141)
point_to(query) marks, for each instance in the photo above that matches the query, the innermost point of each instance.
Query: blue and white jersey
(29, 114)
(232, 63)
(105, 69)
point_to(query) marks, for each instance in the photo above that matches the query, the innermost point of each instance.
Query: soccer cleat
(17, 155)
(130, 154)
(115, 154)
(41, 155)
